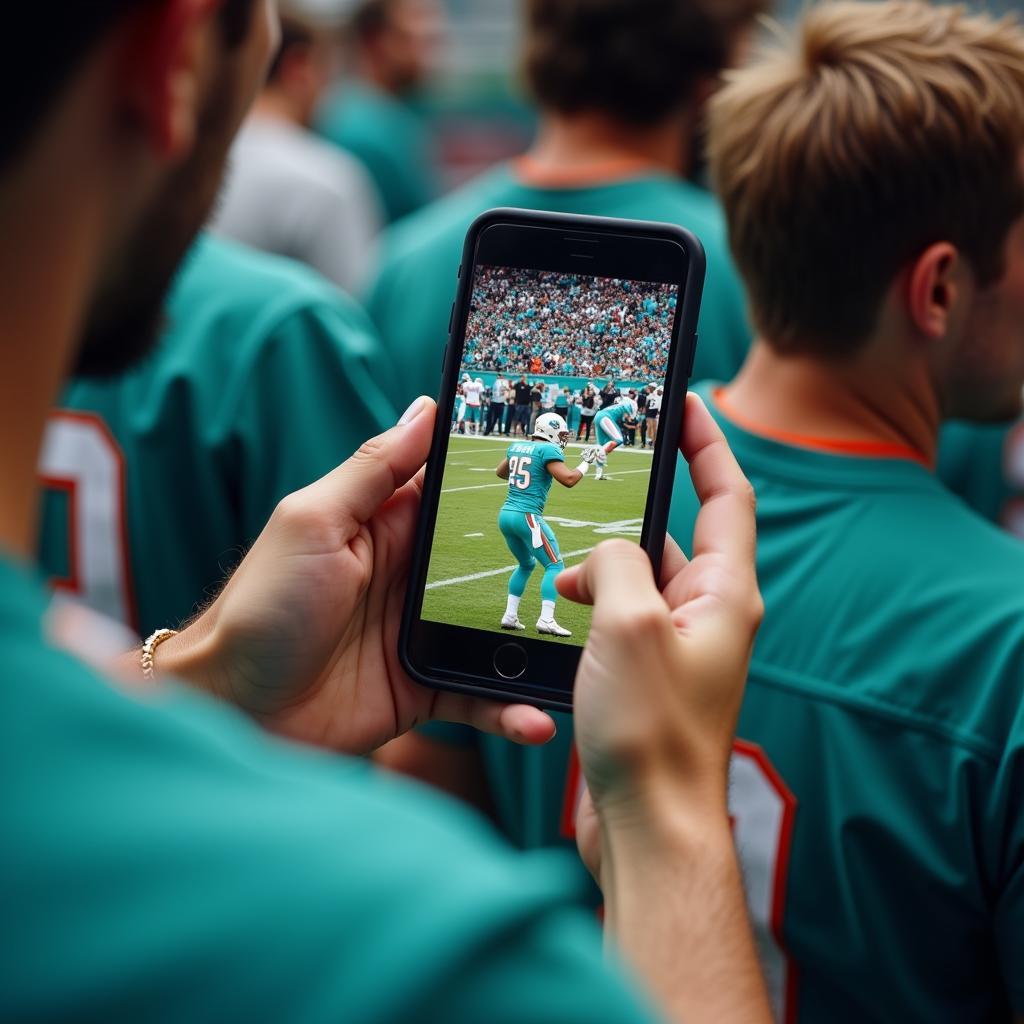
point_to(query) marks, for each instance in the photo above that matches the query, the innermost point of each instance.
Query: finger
(673, 562)
(725, 524)
(567, 584)
(519, 723)
(612, 569)
(358, 487)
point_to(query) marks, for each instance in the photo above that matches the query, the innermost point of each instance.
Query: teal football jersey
(266, 377)
(877, 789)
(984, 465)
(615, 413)
(529, 480)
(411, 297)
(165, 860)
(389, 137)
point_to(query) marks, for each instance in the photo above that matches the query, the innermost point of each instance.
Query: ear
(165, 62)
(932, 289)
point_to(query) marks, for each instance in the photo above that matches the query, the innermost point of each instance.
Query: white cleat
(511, 622)
(552, 628)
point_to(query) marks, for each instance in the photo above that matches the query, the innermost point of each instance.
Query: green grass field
(470, 564)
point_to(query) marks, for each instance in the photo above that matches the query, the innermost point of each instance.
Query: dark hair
(637, 60)
(33, 77)
(371, 18)
(294, 33)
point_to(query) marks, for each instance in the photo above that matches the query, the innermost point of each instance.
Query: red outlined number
(81, 457)
(762, 810)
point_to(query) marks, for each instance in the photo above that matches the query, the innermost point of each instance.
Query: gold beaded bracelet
(149, 649)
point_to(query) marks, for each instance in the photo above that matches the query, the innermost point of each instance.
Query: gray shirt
(289, 193)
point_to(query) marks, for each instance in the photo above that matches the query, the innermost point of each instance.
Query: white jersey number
(762, 810)
(81, 458)
(519, 471)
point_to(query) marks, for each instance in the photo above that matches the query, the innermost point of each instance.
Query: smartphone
(570, 346)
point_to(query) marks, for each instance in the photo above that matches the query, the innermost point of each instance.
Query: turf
(467, 540)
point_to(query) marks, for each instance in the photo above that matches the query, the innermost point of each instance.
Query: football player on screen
(608, 426)
(529, 467)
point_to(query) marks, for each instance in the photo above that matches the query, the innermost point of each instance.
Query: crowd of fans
(538, 321)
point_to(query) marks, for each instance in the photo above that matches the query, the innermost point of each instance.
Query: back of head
(638, 61)
(370, 18)
(396, 40)
(882, 128)
(298, 33)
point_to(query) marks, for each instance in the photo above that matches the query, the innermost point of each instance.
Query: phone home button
(510, 661)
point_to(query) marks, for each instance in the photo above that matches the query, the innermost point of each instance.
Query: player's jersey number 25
(519, 475)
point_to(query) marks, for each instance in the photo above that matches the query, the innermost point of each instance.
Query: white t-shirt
(498, 389)
(288, 192)
(472, 391)
(653, 402)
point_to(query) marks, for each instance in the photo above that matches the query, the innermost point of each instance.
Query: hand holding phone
(554, 303)
(304, 634)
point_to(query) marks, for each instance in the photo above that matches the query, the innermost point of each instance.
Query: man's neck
(584, 141)
(275, 105)
(850, 401)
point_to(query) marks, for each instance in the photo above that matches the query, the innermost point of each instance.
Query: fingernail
(412, 412)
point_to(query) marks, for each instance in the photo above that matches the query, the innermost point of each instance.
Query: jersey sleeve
(311, 395)
(552, 453)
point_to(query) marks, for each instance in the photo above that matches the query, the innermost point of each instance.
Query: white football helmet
(551, 427)
(629, 404)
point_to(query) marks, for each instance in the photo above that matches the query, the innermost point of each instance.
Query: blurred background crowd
(538, 322)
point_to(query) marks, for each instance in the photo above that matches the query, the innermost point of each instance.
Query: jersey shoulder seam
(782, 679)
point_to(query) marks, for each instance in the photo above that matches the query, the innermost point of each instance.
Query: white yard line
(474, 487)
(496, 572)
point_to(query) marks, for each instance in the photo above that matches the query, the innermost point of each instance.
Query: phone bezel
(460, 658)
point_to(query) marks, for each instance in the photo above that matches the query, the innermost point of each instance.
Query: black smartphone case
(663, 472)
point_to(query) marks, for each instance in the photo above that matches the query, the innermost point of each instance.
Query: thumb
(359, 486)
(614, 571)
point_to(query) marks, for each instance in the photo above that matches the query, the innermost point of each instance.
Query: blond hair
(839, 157)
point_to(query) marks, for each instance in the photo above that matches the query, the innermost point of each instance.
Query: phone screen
(558, 370)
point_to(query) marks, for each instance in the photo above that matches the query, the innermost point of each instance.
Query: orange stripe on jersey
(548, 548)
(834, 446)
(532, 172)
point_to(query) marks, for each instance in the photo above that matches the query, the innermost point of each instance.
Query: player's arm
(503, 470)
(564, 475)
